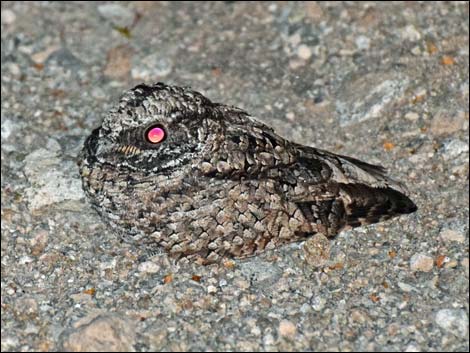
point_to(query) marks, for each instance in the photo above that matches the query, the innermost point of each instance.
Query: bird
(171, 170)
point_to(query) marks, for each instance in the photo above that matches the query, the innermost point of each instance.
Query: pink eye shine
(155, 134)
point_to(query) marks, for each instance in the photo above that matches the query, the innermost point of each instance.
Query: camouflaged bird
(206, 181)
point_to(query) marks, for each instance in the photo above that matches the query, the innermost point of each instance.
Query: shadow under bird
(205, 181)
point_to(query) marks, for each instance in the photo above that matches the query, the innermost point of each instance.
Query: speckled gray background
(385, 82)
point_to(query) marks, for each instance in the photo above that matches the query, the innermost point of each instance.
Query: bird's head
(155, 129)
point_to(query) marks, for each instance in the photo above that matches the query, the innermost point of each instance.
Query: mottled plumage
(222, 184)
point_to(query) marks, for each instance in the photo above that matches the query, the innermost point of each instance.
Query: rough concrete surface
(385, 82)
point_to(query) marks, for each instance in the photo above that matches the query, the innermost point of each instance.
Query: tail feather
(367, 205)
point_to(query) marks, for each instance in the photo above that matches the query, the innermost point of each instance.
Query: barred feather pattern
(222, 184)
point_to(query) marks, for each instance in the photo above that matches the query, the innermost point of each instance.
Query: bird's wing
(352, 193)
(332, 190)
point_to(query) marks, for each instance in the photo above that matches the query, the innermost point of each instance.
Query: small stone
(117, 14)
(268, 340)
(8, 126)
(100, 333)
(365, 97)
(317, 250)
(118, 61)
(149, 267)
(412, 116)
(8, 343)
(313, 10)
(287, 329)
(416, 51)
(393, 329)
(26, 307)
(42, 56)
(359, 316)
(304, 52)
(449, 235)
(25, 260)
(412, 348)
(464, 264)
(151, 66)
(441, 260)
(410, 33)
(211, 289)
(451, 263)
(8, 17)
(421, 262)
(272, 7)
(447, 60)
(454, 321)
(362, 42)
(318, 303)
(406, 287)
(39, 242)
(454, 148)
(64, 58)
(295, 39)
(290, 116)
(52, 181)
(445, 123)
(14, 70)
(296, 63)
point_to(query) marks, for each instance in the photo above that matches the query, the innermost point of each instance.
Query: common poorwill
(205, 181)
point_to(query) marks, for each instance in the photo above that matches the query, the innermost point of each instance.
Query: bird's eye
(155, 134)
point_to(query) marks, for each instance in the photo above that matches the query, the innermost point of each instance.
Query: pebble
(412, 347)
(359, 316)
(27, 307)
(412, 116)
(101, 333)
(410, 33)
(465, 266)
(8, 17)
(151, 67)
(454, 321)
(366, 97)
(259, 271)
(8, 126)
(24, 260)
(117, 14)
(446, 123)
(295, 39)
(294, 64)
(52, 180)
(454, 148)
(362, 42)
(313, 10)
(290, 116)
(118, 62)
(450, 235)
(287, 329)
(148, 267)
(317, 250)
(39, 242)
(304, 52)
(406, 287)
(318, 303)
(9, 342)
(211, 289)
(421, 262)
(268, 339)
(64, 58)
(41, 56)
(14, 70)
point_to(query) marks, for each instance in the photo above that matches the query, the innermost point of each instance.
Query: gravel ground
(385, 82)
